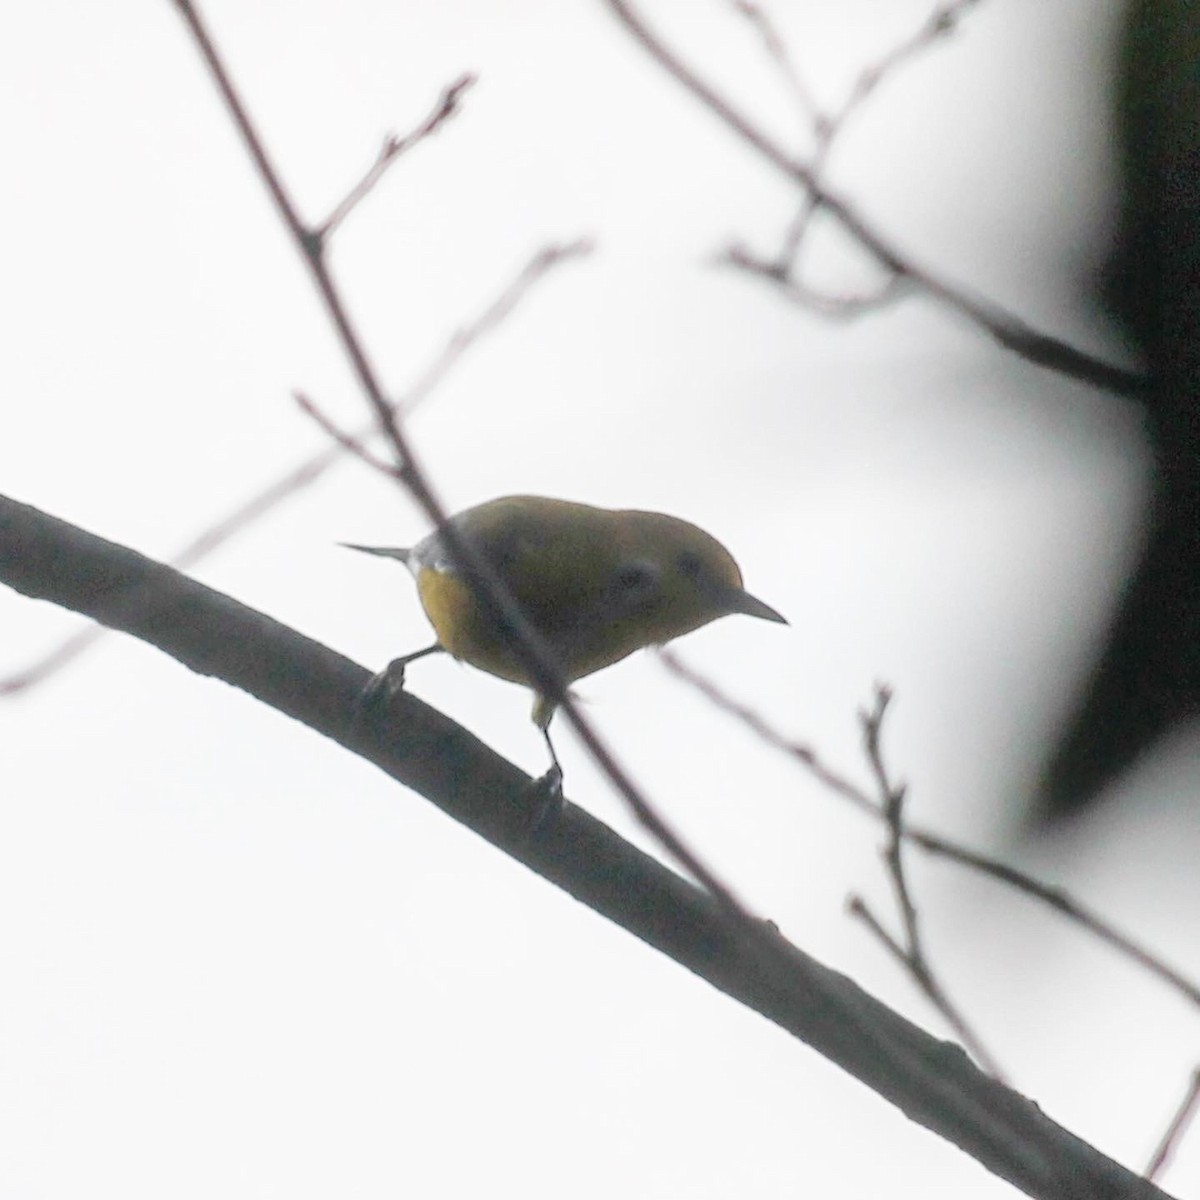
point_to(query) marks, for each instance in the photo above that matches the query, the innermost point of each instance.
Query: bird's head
(674, 577)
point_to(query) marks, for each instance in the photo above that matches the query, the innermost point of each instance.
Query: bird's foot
(375, 701)
(546, 795)
(384, 687)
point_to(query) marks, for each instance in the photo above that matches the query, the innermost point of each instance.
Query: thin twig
(1054, 897)
(393, 147)
(858, 908)
(891, 799)
(527, 645)
(355, 446)
(1009, 330)
(911, 950)
(758, 724)
(828, 125)
(781, 268)
(780, 272)
(1061, 902)
(1178, 1127)
(305, 473)
(777, 51)
(542, 261)
(942, 22)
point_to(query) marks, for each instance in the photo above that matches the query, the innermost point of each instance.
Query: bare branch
(393, 147)
(352, 444)
(1056, 898)
(758, 724)
(779, 272)
(305, 473)
(911, 951)
(825, 124)
(941, 23)
(757, 940)
(858, 908)
(527, 645)
(826, 127)
(542, 262)
(1009, 330)
(1178, 1127)
(776, 50)
(892, 802)
(1061, 902)
(931, 1081)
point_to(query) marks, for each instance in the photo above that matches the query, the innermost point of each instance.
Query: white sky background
(239, 962)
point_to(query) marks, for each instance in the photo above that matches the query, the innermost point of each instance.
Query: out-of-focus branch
(355, 446)
(393, 147)
(1009, 330)
(778, 270)
(1177, 1128)
(826, 126)
(931, 1081)
(825, 123)
(306, 473)
(1054, 897)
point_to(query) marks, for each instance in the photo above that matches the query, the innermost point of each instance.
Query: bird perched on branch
(594, 585)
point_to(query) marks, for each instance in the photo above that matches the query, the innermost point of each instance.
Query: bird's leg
(547, 790)
(390, 681)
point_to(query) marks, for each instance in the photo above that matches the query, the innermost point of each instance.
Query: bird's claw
(382, 688)
(547, 798)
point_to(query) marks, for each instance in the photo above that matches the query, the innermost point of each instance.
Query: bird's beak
(382, 551)
(738, 601)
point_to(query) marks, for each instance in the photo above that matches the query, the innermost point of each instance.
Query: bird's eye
(636, 578)
(689, 564)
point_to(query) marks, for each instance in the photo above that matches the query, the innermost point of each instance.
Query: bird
(595, 585)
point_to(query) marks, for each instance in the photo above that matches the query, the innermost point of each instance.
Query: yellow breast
(459, 621)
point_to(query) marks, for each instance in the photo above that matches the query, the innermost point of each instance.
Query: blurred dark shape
(1147, 681)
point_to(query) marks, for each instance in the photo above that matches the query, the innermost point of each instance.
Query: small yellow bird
(595, 583)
